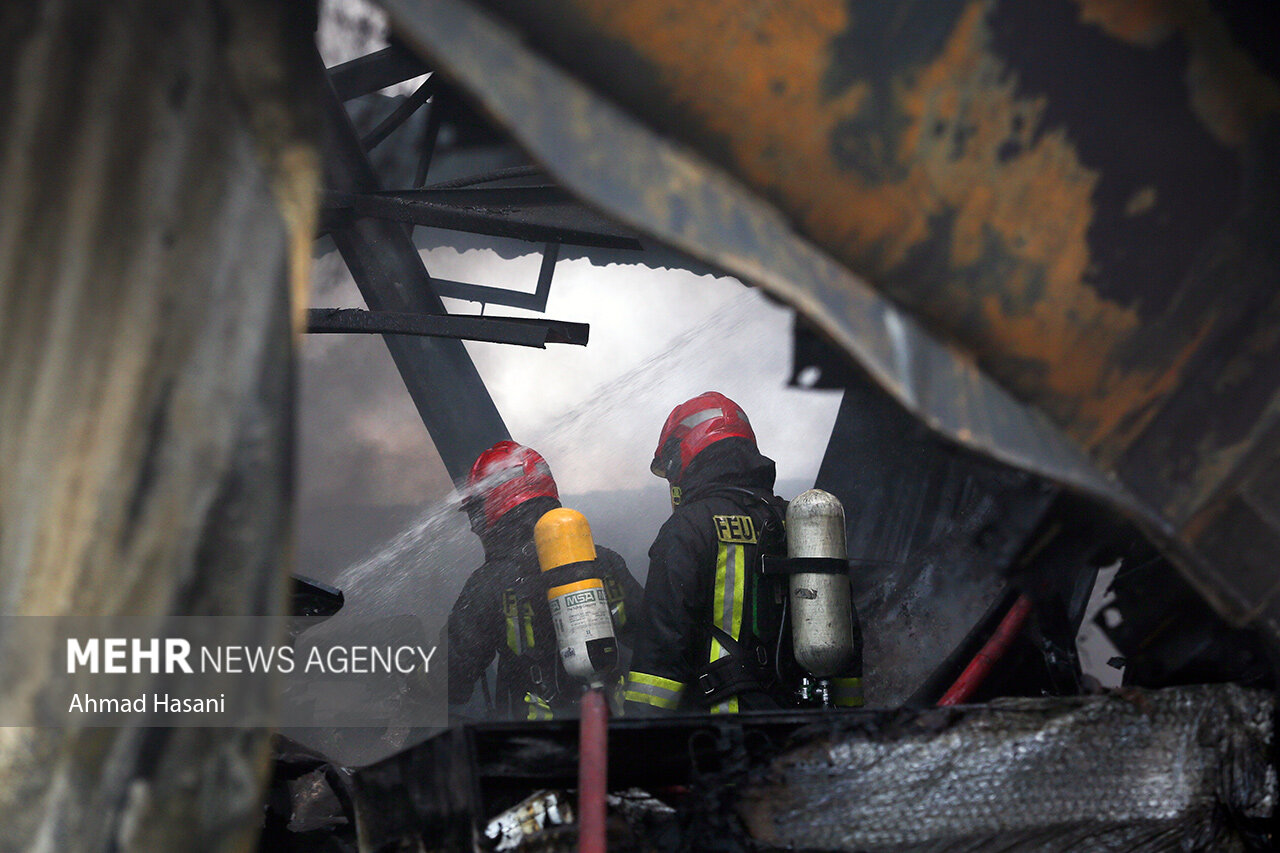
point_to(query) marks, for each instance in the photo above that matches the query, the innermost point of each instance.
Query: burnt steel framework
(670, 174)
(640, 154)
(1049, 230)
(372, 229)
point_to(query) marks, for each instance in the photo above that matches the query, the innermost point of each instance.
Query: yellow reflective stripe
(634, 677)
(717, 607)
(727, 613)
(641, 697)
(617, 601)
(736, 558)
(727, 606)
(510, 610)
(538, 707)
(527, 613)
(846, 692)
(653, 690)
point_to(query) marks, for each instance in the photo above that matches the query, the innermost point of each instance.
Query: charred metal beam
(543, 214)
(521, 331)
(314, 599)
(558, 331)
(536, 301)
(312, 602)
(400, 114)
(510, 173)
(450, 396)
(441, 105)
(375, 71)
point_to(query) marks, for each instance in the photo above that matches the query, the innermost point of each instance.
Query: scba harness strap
(739, 660)
(740, 671)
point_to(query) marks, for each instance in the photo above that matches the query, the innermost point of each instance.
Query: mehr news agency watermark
(174, 656)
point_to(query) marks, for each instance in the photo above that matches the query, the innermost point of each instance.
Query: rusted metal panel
(1077, 201)
(1026, 178)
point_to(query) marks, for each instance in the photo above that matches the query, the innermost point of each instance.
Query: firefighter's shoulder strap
(745, 667)
(538, 670)
(745, 664)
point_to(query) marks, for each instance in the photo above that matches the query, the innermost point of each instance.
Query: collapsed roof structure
(1037, 247)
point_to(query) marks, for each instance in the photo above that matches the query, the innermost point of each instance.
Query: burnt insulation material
(1188, 768)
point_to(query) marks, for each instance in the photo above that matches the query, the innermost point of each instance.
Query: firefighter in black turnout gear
(713, 635)
(503, 607)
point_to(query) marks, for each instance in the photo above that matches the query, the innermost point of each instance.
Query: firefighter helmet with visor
(692, 427)
(503, 477)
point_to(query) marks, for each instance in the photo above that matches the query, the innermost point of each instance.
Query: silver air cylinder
(821, 606)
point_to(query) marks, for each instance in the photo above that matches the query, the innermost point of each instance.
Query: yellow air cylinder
(576, 595)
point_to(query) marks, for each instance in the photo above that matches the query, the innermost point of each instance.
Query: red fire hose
(593, 771)
(976, 672)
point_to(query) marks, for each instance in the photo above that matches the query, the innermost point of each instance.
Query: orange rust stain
(752, 74)
(1144, 22)
(1146, 386)
(1229, 93)
(1142, 201)
(1202, 520)
(1036, 205)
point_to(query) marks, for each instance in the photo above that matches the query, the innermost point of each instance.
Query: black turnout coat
(503, 611)
(704, 583)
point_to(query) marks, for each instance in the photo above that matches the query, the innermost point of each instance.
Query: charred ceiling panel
(1077, 198)
(931, 529)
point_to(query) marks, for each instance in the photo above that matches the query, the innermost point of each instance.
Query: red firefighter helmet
(505, 476)
(692, 427)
